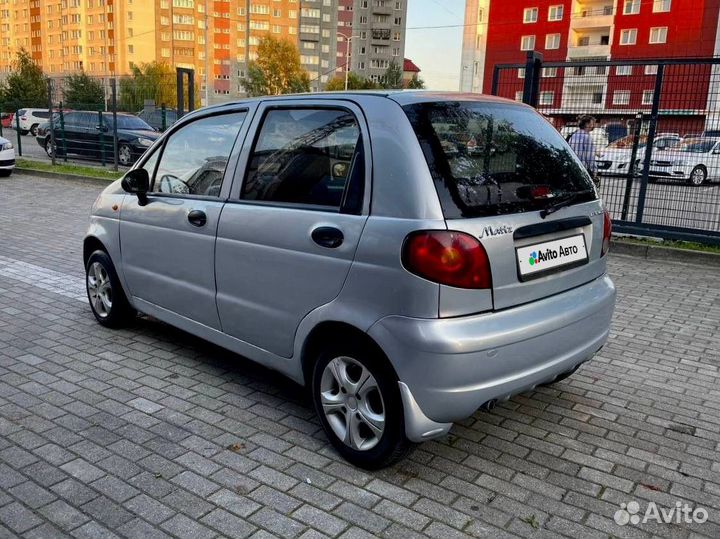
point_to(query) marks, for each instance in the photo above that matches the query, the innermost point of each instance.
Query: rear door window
(496, 158)
(308, 156)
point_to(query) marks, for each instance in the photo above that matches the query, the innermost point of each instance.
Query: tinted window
(303, 156)
(194, 158)
(492, 158)
(128, 122)
(41, 114)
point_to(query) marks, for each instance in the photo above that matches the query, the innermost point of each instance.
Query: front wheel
(125, 155)
(105, 294)
(698, 176)
(5, 172)
(33, 130)
(357, 399)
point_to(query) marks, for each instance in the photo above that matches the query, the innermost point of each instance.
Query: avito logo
(551, 254)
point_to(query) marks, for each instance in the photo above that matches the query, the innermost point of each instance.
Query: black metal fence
(106, 121)
(657, 136)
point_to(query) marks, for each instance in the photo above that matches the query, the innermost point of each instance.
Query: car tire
(49, 148)
(4, 173)
(105, 294)
(24, 132)
(125, 155)
(357, 398)
(33, 130)
(698, 176)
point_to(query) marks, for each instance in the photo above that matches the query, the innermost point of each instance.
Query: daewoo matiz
(409, 257)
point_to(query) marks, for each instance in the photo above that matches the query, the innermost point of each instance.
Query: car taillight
(447, 257)
(607, 232)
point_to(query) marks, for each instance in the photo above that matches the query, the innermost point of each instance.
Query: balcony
(382, 10)
(589, 50)
(381, 34)
(596, 17)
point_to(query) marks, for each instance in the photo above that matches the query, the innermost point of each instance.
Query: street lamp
(347, 56)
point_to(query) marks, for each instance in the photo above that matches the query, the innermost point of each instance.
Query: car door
(289, 232)
(713, 162)
(168, 245)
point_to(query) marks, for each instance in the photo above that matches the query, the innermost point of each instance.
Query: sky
(436, 51)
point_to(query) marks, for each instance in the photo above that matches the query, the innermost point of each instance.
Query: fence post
(180, 94)
(163, 118)
(633, 168)
(17, 131)
(113, 88)
(533, 66)
(191, 90)
(649, 143)
(62, 133)
(52, 125)
(102, 138)
(1, 129)
(495, 80)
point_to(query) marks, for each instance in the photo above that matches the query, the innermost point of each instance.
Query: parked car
(30, 119)
(615, 159)
(694, 160)
(355, 244)
(7, 157)
(616, 131)
(154, 118)
(599, 135)
(83, 134)
(6, 120)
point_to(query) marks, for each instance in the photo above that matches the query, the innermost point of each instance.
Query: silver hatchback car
(409, 257)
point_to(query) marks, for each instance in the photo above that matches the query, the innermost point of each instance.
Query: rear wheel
(698, 176)
(33, 130)
(105, 294)
(357, 399)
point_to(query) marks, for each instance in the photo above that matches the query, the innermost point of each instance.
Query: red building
(502, 31)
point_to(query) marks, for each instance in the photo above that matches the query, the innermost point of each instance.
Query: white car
(615, 159)
(694, 160)
(30, 119)
(7, 157)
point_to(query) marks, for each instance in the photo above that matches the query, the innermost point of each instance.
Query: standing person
(581, 142)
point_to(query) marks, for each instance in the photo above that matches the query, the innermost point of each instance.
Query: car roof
(402, 97)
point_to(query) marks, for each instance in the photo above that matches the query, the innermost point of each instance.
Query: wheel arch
(90, 245)
(336, 331)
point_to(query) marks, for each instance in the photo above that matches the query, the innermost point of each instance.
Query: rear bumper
(451, 367)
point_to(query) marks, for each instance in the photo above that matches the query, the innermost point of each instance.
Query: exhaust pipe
(489, 405)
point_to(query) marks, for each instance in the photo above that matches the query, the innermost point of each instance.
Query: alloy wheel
(352, 403)
(99, 289)
(698, 176)
(125, 155)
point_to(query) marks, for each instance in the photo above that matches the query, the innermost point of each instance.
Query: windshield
(490, 158)
(626, 143)
(696, 145)
(128, 122)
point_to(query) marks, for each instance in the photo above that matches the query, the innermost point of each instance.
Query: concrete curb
(60, 176)
(658, 252)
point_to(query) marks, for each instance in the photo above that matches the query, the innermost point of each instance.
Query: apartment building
(500, 32)
(106, 37)
(375, 32)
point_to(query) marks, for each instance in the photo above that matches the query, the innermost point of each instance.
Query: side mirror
(137, 182)
(716, 151)
(102, 128)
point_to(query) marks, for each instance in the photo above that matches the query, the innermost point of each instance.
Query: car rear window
(496, 158)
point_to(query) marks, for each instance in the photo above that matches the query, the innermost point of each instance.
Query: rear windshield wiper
(564, 200)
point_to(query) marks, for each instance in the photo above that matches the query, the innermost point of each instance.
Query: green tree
(416, 83)
(393, 77)
(277, 69)
(26, 86)
(355, 82)
(154, 80)
(83, 92)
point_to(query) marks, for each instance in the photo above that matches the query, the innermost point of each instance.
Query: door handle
(328, 236)
(197, 218)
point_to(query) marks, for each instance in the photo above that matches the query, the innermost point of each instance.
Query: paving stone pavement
(151, 433)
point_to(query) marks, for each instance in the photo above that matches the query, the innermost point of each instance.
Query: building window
(623, 70)
(647, 97)
(632, 7)
(552, 41)
(661, 6)
(530, 14)
(658, 35)
(547, 98)
(555, 13)
(527, 43)
(549, 72)
(621, 97)
(628, 37)
(651, 69)
(521, 73)
(519, 96)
